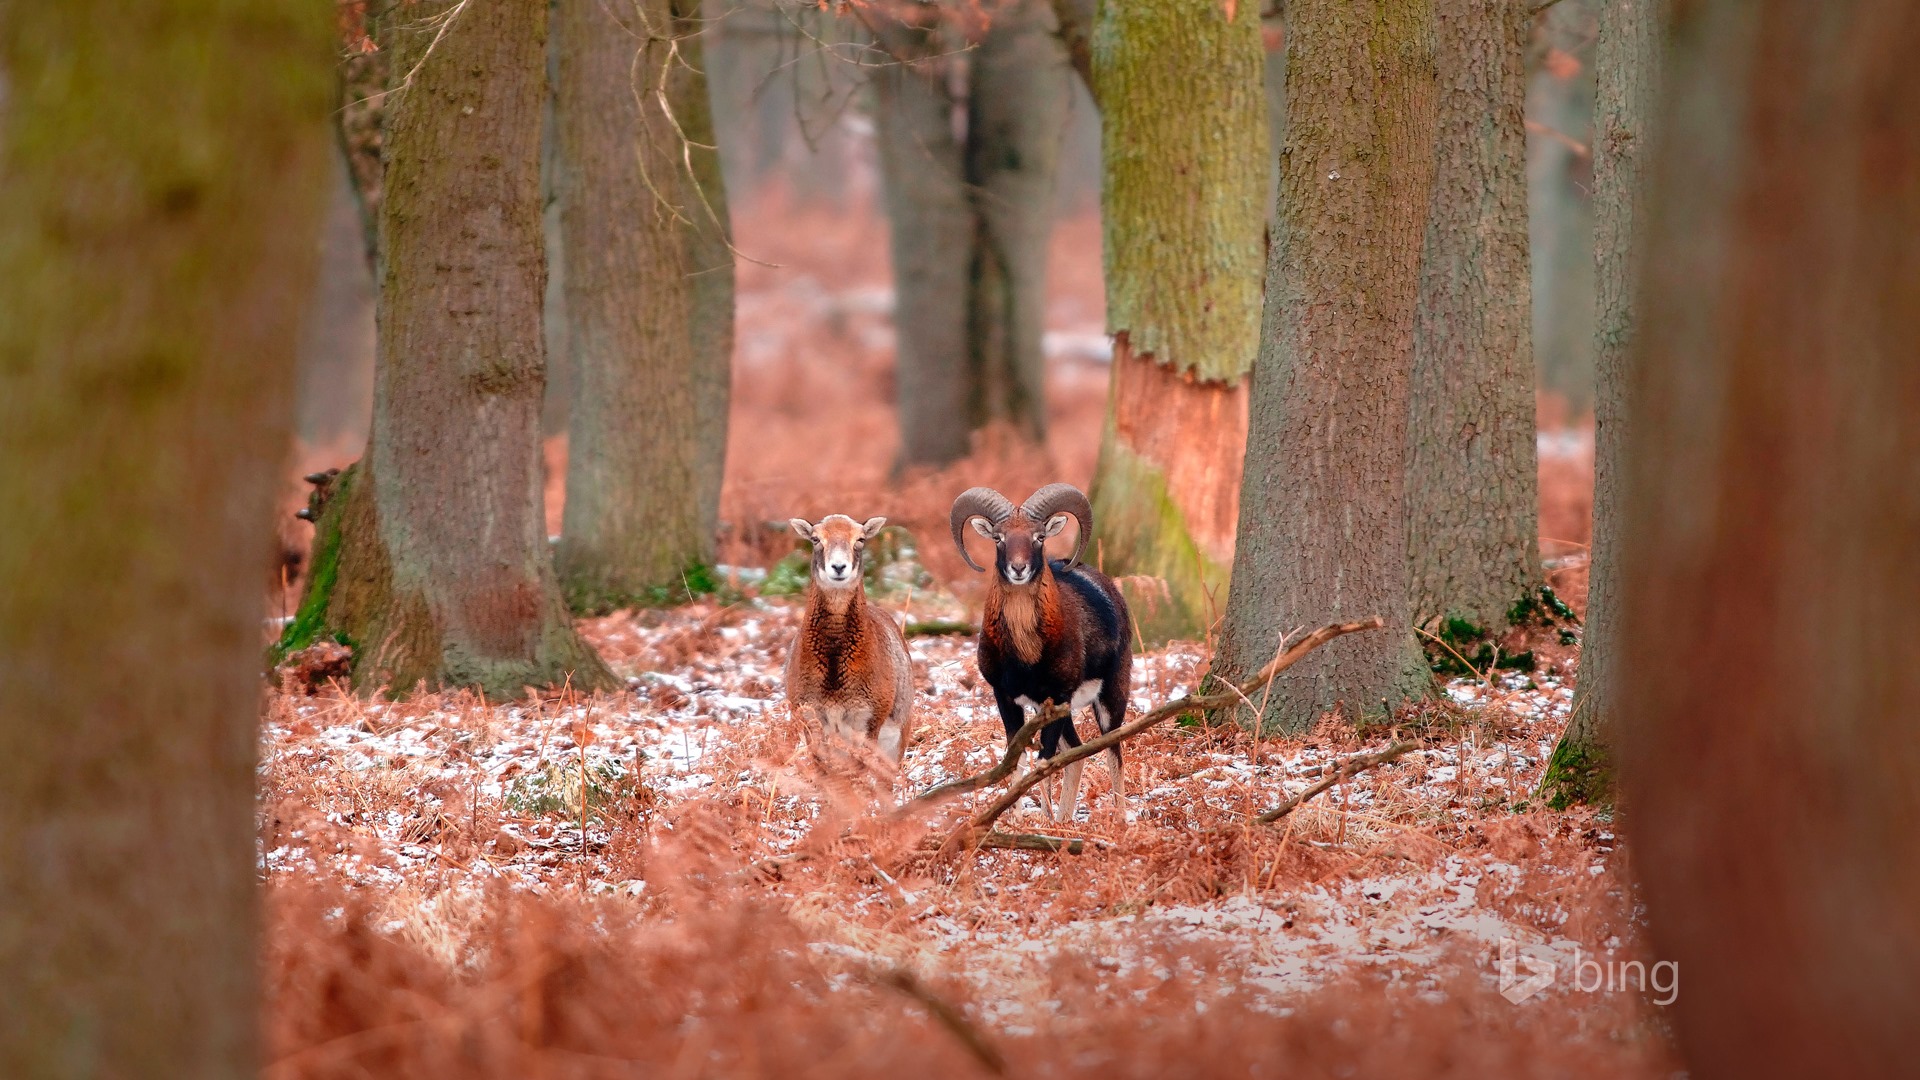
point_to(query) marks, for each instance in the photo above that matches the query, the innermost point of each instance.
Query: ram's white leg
(1070, 790)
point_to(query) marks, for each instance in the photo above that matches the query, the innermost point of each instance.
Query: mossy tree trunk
(970, 217)
(649, 303)
(1628, 65)
(163, 165)
(431, 557)
(1768, 597)
(1186, 156)
(1322, 523)
(1473, 513)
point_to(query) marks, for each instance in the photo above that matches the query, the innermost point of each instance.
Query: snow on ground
(1428, 862)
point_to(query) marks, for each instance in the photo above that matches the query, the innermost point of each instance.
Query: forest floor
(436, 908)
(1394, 891)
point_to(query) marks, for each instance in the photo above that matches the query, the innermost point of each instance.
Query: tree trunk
(1769, 598)
(970, 218)
(1322, 523)
(1016, 113)
(163, 166)
(709, 264)
(360, 119)
(1628, 62)
(431, 557)
(932, 235)
(1559, 200)
(650, 344)
(1186, 158)
(1473, 513)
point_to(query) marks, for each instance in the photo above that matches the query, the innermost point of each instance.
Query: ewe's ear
(980, 526)
(873, 527)
(1056, 523)
(801, 526)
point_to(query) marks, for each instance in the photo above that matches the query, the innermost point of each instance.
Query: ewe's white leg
(892, 745)
(1070, 784)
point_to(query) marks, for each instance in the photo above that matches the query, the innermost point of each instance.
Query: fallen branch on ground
(940, 627)
(1072, 845)
(1180, 707)
(1347, 769)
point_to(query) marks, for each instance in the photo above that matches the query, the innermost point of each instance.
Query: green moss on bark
(1578, 773)
(1144, 534)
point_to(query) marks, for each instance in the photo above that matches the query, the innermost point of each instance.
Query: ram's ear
(1056, 523)
(981, 526)
(872, 527)
(802, 528)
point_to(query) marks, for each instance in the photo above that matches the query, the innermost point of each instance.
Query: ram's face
(839, 547)
(1020, 546)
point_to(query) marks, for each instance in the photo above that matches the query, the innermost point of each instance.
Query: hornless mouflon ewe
(848, 666)
(1051, 632)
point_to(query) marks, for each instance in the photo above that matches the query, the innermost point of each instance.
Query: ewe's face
(1019, 546)
(839, 544)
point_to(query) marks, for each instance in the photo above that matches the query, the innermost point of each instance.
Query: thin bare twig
(952, 1019)
(1347, 769)
(1008, 762)
(1464, 662)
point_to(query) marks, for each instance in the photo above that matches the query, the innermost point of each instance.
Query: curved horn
(1062, 499)
(978, 502)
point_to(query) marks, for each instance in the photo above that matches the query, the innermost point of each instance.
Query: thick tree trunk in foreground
(1770, 597)
(1629, 68)
(1186, 160)
(649, 305)
(162, 165)
(1322, 529)
(1473, 514)
(431, 557)
(970, 219)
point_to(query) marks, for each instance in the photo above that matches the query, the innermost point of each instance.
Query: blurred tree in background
(1186, 163)
(430, 556)
(647, 300)
(163, 165)
(968, 135)
(1629, 72)
(1765, 671)
(1322, 527)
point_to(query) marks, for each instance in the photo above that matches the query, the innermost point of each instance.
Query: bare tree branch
(1179, 707)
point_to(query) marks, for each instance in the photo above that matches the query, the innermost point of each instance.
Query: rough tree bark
(1473, 515)
(162, 165)
(1322, 524)
(431, 555)
(1628, 66)
(1184, 143)
(970, 218)
(649, 303)
(1769, 598)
